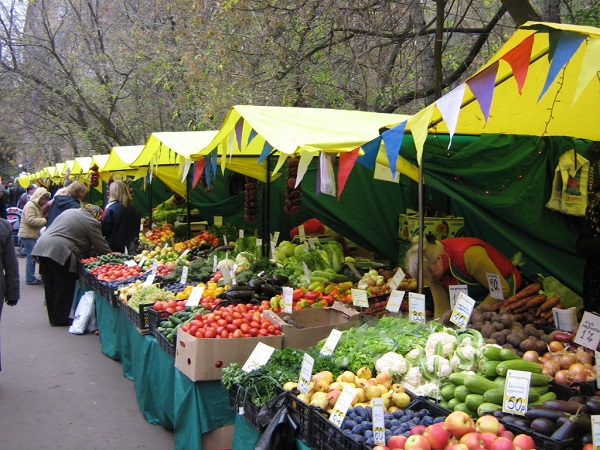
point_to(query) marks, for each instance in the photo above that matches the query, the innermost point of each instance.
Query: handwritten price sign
(462, 310)
(588, 333)
(495, 286)
(378, 422)
(331, 342)
(259, 357)
(305, 373)
(341, 406)
(516, 392)
(416, 307)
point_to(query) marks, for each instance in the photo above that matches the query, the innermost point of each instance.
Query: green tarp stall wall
(500, 185)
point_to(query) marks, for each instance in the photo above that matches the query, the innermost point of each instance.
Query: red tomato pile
(232, 322)
(111, 272)
(171, 306)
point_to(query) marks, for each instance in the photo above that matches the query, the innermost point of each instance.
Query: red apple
(459, 423)
(437, 435)
(418, 429)
(472, 440)
(396, 442)
(524, 441)
(502, 444)
(416, 441)
(381, 447)
(502, 427)
(487, 423)
(507, 434)
(457, 446)
(488, 438)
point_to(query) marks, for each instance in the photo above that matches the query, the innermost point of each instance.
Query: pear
(364, 372)
(401, 399)
(372, 391)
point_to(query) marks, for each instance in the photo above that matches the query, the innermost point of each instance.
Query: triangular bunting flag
(239, 127)
(207, 175)
(325, 176)
(266, 151)
(519, 58)
(370, 149)
(568, 43)
(214, 157)
(280, 162)
(449, 106)
(393, 143)
(305, 159)
(419, 124)
(252, 135)
(482, 85)
(198, 168)
(346, 164)
(590, 66)
(186, 169)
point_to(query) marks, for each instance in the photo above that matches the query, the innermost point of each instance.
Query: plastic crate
(154, 319)
(169, 347)
(302, 415)
(139, 316)
(241, 401)
(543, 442)
(565, 392)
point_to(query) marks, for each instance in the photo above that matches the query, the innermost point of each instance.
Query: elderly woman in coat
(60, 248)
(32, 222)
(9, 268)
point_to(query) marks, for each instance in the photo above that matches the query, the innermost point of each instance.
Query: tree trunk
(551, 11)
(521, 11)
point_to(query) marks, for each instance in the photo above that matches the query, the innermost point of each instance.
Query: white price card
(597, 358)
(416, 307)
(225, 241)
(395, 281)
(232, 273)
(273, 251)
(462, 310)
(183, 253)
(495, 286)
(195, 296)
(130, 263)
(301, 233)
(142, 261)
(359, 298)
(353, 270)
(259, 357)
(258, 250)
(306, 271)
(226, 272)
(241, 232)
(565, 319)
(166, 245)
(305, 373)
(395, 301)
(596, 431)
(378, 422)
(218, 221)
(453, 292)
(288, 299)
(516, 392)
(154, 266)
(125, 251)
(215, 263)
(184, 273)
(276, 237)
(588, 333)
(341, 406)
(331, 342)
(149, 280)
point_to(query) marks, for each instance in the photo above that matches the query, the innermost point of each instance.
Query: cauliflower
(436, 368)
(428, 390)
(412, 379)
(392, 363)
(441, 343)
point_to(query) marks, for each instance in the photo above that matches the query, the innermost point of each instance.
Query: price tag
(305, 373)
(588, 333)
(395, 281)
(166, 245)
(276, 237)
(288, 299)
(395, 301)
(313, 242)
(495, 286)
(258, 248)
(154, 266)
(565, 319)
(353, 270)
(378, 422)
(218, 221)
(306, 271)
(184, 273)
(225, 241)
(195, 296)
(226, 271)
(516, 392)
(183, 253)
(149, 280)
(331, 342)
(259, 357)
(130, 263)
(232, 273)
(453, 292)
(596, 431)
(341, 406)
(142, 261)
(462, 310)
(597, 356)
(241, 233)
(301, 233)
(359, 298)
(214, 263)
(416, 307)
(125, 250)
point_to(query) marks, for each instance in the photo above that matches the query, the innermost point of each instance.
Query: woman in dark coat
(70, 198)
(9, 268)
(121, 221)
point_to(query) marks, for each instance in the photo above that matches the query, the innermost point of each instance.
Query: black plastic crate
(155, 318)
(543, 442)
(169, 347)
(241, 401)
(564, 392)
(302, 415)
(138, 316)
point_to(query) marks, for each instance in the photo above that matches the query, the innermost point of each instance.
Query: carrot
(527, 291)
(532, 302)
(515, 305)
(548, 304)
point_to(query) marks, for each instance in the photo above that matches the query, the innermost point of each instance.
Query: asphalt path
(58, 391)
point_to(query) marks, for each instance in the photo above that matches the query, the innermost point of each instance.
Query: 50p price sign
(516, 392)
(416, 307)
(341, 406)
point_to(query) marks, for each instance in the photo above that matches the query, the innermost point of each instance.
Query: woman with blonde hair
(70, 198)
(121, 221)
(463, 260)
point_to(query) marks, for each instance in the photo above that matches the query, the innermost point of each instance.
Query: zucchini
(463, 407)
(452, 403)
(457, 378)
(473, 401)
(487, 408)
(321, 274)
(540, 379)
(461, 392)
(491, 352)
(507, 354)
(539, 390)
(339, 278)
(447, 391)
(518, 364)
(321, 280)
(478, 384)
(497, 396)
(500, 381)
(547, 396)
(488, 368)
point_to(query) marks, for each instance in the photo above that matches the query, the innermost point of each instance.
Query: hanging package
(570, 184)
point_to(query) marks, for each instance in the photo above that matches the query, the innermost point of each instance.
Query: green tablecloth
(165, 396)
(246, 436)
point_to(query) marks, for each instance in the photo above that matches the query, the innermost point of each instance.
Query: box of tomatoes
(224, 336)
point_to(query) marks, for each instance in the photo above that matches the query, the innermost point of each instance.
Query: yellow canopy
(82, 165)
(100, 160)
(172, 147)
(121, 158)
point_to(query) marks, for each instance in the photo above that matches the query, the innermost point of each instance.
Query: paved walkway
(58, 391)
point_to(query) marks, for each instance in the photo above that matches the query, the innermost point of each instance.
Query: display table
(246, 436)
(165, 396)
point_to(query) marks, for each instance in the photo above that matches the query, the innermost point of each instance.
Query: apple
(524, 441)
(472, 440)
(417, 441)
(396, 442)
(487, 423)
(507, 434)
(381, 447)
(457, 446)
(488, 438)
(459, 423)
(437, 435)
(502, 444)
(418, 429)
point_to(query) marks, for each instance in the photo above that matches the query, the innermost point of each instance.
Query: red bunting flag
(347, 161)
(198, 169)
(519, 58)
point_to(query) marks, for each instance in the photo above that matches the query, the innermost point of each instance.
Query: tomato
(271, 329)
(237, 334)
(221, 322)
(170, 310)
(231, 327)
(196, 322)
(179, 308)
(209, 334)
(245, 328)
(199, 334)
(253, 332)
(237, 322)
(229, 318)
(237, 315)
(263, 332)
(158, 306)
(254, 324)
(224, 334)
(193, 329)
(172, 303)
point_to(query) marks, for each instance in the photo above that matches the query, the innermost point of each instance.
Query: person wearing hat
(32, 221)
(72, 236)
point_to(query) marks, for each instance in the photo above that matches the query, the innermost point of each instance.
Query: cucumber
(175, 320)
(321, 274)
(487, 408)
(507, 354)
(547, 396)
(497, 396)
(315, 279)
(491, 352)
(473, 401)
(463, 407)
(447, 391)
(478, 384)
(488, 368)
(461, 392)
(457, 378)
(500, 381)
(518, 364)
(539, 379)
(443, 404)
(540, 390)
(339, 278)
(452, 403)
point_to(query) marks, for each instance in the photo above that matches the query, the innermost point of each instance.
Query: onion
(577, 368)
(531, 355)
(582, 356)
(562, 377)
(550, 367)
(566, 359)
(555, 346)
(580, 377)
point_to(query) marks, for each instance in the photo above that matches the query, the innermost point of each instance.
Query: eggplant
(256, 283)
(269, 289)
(243, 296)
(278, 280)
(543, 426)
(544, 413)
(225, 248)
(566, 406)
(593, 405)
(566, 430)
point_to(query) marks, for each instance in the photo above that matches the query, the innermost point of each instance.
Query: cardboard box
(314, 324)
(219, 438)
(202, 359)
(441, 227)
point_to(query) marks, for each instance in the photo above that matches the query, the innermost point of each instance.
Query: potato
(498, 337)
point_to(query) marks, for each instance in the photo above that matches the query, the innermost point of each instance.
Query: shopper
(3, 196)
(9, 268)
(26, 196)
(120, 221)
(464, 260)
(32, 221)
(72, 236)
(70, 198)
(15, 191)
